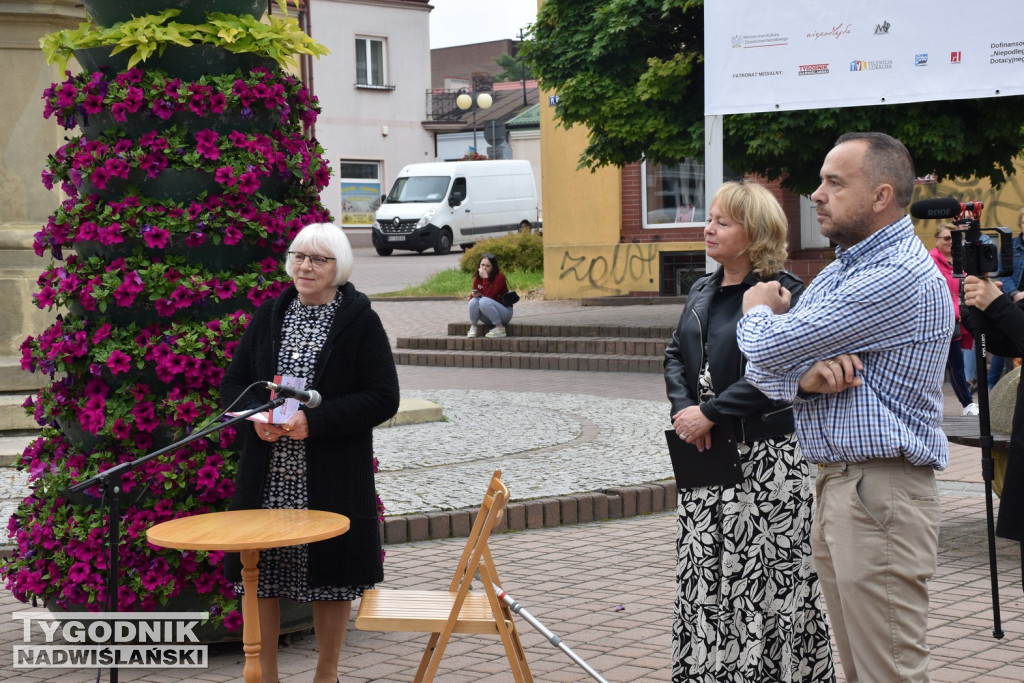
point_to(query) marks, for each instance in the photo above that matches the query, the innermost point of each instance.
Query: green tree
(512, 69)
(632, 72)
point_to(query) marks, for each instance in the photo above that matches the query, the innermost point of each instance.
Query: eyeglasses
(947, 238)
(298, 257)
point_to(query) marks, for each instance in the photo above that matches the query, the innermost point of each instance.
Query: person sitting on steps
(485, 298)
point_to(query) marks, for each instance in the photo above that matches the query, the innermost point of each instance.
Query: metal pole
(987, 474)
(522, 66)
(475, 151)
(551, 637)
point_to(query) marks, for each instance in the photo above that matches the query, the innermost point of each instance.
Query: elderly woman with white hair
(323, 330)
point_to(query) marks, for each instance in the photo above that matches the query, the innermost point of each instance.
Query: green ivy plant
(279, 39)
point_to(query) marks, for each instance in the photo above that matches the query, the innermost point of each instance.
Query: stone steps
(656, 332)
(530, 361)
(13, 378)
(594, 346)
(588, 348)
(16, 385)
(13, 417)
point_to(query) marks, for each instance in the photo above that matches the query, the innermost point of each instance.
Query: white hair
(324, 238)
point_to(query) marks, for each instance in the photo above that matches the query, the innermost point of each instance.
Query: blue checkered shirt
(884, 300)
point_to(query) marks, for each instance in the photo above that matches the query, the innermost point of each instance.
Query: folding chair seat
(457, 610)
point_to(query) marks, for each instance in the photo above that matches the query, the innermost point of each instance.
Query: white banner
(776, 55)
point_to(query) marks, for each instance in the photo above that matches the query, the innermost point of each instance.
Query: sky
(464, 22)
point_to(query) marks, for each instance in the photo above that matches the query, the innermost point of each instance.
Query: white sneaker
(496, 332)
(472, 331)
(970, 410)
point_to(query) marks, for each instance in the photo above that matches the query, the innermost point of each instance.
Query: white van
(435, 206)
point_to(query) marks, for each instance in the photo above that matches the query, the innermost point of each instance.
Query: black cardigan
(752, 415)
(355, 374)
(1003, 325)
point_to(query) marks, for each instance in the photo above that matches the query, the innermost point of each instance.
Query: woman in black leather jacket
(745, 583)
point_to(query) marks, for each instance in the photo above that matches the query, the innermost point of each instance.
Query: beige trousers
(875, 542)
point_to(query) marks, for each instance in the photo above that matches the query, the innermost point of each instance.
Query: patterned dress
(748, 604)
(284, 572)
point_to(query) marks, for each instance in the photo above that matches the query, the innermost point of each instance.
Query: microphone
(307, 398)
(946, 207)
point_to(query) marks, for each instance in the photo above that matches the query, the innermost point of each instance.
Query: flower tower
(190, 171)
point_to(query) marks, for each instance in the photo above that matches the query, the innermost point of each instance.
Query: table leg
(251, 617)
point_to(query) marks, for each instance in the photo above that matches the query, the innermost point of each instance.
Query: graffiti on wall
(619, 269)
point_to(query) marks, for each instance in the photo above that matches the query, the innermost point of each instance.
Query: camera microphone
(946, 207)
(307, 398)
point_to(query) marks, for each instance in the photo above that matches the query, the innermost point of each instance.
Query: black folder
(716, 466)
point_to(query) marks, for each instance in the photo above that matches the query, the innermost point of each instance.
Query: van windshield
(418, 189)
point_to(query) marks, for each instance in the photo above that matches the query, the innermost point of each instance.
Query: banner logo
(882, 29)
(106, 640)
(921, 59)
(873, 65)
(956, 57)
(758, 40)
(837, 32)
(813, 69)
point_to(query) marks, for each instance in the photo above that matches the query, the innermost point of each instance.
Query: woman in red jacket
(942, 254)
(485, 299)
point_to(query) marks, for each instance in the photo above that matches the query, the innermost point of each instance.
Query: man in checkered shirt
(862, 357)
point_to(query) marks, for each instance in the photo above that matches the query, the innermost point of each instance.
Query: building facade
(371, 88)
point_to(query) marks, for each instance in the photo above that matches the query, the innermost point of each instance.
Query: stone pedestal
(25, 140)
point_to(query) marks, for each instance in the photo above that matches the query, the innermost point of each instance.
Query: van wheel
(384, 251)
(444, 242)
(525, 226)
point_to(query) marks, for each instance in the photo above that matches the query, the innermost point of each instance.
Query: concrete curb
(377, 298)
(579, 508)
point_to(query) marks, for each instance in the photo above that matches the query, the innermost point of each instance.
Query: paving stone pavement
(570, 432)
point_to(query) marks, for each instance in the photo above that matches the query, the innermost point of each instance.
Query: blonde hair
(763, 220)
(944, 226)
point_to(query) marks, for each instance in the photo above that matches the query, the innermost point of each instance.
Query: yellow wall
(1001, 205)
(583, 222)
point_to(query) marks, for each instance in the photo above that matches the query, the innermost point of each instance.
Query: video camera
(974, 250)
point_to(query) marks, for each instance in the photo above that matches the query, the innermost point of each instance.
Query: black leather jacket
(753, 415)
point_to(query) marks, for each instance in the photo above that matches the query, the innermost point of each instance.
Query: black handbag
(509, 298)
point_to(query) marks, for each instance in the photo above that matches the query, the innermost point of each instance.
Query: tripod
(109, 482)
(987, 474)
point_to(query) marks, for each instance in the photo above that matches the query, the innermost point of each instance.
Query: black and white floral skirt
(748, 604)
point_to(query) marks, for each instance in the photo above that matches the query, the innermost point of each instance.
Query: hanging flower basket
(139, 101)
(176, 61)
(110, 12)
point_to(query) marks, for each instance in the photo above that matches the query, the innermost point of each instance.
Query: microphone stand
(110, 483)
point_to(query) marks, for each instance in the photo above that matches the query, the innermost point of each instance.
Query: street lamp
(465, 102)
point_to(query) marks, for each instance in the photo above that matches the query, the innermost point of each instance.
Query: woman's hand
(296, 428)
(267, 432)
(980, 292)
(693, 427)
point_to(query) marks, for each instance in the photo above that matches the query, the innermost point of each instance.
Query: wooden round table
(248, 532)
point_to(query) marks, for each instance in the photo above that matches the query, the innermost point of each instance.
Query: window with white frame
(673, 194)
(371, 62)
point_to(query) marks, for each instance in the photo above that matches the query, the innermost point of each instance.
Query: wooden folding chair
(457, 610)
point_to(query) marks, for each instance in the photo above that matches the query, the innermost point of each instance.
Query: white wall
(352, 122)
(526, 145)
